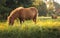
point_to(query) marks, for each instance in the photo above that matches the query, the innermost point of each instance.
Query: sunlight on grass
(44, 28)
(40, 22)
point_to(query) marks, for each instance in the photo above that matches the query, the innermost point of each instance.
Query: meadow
(44, 28)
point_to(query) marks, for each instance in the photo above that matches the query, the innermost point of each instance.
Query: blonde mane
(15, 10)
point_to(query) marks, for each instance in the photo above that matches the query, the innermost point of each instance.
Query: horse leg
(21, 20)
(34, 20)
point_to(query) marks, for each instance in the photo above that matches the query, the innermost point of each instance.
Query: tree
(17, 3)
(50, 7)
(42, 9)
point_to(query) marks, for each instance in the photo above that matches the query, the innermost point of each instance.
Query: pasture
(45, 27)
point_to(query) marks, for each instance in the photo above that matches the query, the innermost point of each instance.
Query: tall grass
(44, 28)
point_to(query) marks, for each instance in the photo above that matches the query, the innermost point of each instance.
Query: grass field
(44, 28)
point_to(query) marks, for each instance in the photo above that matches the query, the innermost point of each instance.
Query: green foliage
(4, 12)
(17, 3)
(42, 9)
(2, 2)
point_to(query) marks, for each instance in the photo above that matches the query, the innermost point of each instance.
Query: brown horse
(23, 14)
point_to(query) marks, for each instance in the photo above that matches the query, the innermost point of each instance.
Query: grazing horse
(23, 14)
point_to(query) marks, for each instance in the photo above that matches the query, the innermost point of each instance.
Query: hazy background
(58, 1)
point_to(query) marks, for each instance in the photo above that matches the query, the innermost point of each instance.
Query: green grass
(45, 28)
